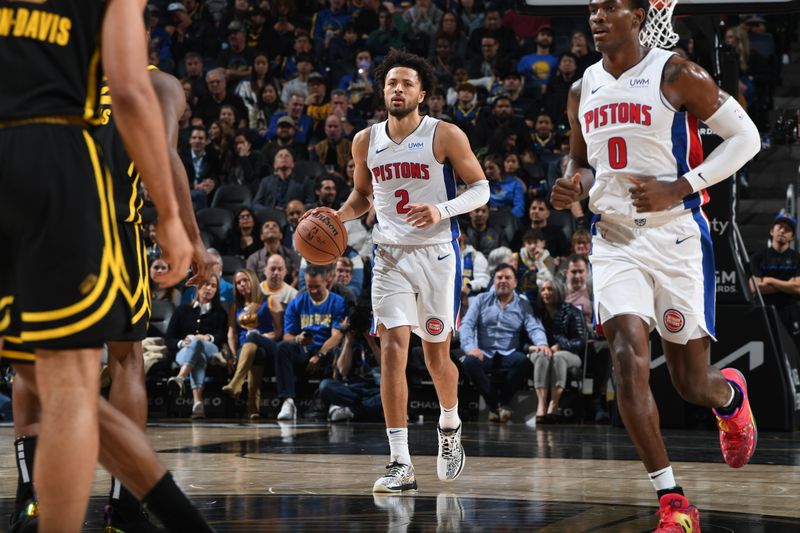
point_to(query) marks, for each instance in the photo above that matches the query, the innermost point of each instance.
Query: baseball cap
(175, 6)
(286, 119)
(754, 19)
(316, 77)
(786, 218)
(153, 8)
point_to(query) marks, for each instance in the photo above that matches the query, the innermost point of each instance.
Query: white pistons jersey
(631, 130)
(408, 173)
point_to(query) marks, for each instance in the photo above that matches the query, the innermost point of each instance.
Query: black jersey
(50, 57)
(127, 198)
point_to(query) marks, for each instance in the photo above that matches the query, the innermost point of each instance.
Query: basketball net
(657, 31)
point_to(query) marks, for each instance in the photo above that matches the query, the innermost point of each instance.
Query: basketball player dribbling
(634, 120)
(407, 166)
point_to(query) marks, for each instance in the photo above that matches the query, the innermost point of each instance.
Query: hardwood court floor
(318, 477)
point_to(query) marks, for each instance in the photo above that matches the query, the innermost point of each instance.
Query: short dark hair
(399, 58)
(641, 4)
(313, 271)
(534, 235)
(503, 266)
(574, 258)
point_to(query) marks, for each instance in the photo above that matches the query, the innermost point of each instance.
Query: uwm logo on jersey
(401, 170)
(617, 113)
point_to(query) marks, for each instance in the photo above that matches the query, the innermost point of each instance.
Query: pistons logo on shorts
(674, 320)
(434, 326)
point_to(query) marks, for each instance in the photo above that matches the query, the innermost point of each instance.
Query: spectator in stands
(359, 84)
(312, 333)
(424, 17)
(285, 140)
(566, 336)
(535, 263)
(282, 185)
(492, 28)
(500, 255)
(539, 214)
(272, 236)
(365, 18)
(209, 106)
(502, 115)
(252, 325)
(450, 28)
(328, 22)
(555, 98)
(243, 239)
(737, 38)
(159, 38)
(488, 62)
(514, 87)
(260, 36)
(490, 337)
(169, 294)
(274, 283)
(354, 391)
(583, 49)
(196, 332)
(480, 234)
(578, 291)
(268, 104)
(352, 122)
(352, 270)
(225, 287)
(544, 137)
(579, 244)
(294, 210)
(250, 89)
(392, 32)
(195, 74)
(190, 35)
(474, 271)
(776, 273)
(436, 103)
(340, 54)
(298, 84)
(325, 192)
(202, 166)
(303, 124)
(220, 139)
(507, 191)
(235, 57)
(539, 66)
(334, 150)
(466, 109)
(302, 47)
(248, 165)
(350, 273)
(318, 106)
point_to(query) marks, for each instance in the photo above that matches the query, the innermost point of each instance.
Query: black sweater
(187, 320)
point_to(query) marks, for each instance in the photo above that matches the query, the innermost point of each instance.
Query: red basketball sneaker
(737, 432)
(677, 515)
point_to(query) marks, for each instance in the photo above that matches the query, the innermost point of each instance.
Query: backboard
(684, 7)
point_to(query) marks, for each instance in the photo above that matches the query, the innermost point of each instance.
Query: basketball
(320, 238)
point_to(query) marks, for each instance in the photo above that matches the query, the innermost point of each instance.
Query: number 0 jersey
(408, 173)
(631, 130)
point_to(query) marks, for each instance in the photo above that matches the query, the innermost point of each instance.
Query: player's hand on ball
(566, 191)
(327, 210)
(650, 194)
(422, 215)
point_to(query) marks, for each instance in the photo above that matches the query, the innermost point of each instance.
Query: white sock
(448, 418)
(662, 479)
(398, 445)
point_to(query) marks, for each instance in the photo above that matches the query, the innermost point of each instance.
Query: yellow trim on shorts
(110, 266)
(90, 106)
(17, 356)
(142, 292)
(6, 320)
(132, 212)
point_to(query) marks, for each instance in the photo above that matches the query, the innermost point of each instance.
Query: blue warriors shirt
(303, 313)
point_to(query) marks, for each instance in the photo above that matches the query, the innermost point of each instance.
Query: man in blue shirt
(490, 338)
(312, 328)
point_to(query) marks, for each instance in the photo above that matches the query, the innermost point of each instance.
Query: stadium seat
(233, 197)
(504, 221)
(264, 213)
(311, 169)
(160, 317)
(230, 264)
(217, 222)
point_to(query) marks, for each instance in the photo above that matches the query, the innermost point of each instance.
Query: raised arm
(125, 63)
(173, 103)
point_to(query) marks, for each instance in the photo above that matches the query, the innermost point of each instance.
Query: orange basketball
(320, 238)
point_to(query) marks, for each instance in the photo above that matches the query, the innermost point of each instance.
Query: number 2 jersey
(408, 173)
(632, 130)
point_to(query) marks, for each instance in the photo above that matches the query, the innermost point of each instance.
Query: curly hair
(399, 58)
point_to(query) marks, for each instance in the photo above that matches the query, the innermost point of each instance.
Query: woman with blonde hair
(255, 321)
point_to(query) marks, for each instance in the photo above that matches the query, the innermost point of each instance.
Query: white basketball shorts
(417, 286)
(664, 274)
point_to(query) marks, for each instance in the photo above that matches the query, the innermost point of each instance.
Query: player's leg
(629, 341)
(27, 412)
(128, 392)
(68, 389)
